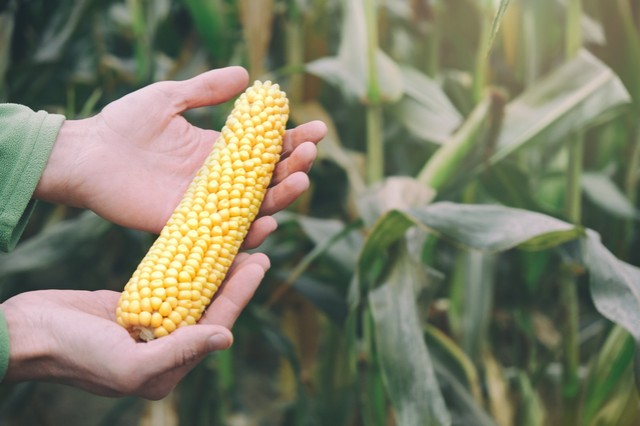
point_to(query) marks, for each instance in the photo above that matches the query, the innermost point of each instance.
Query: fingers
(300, 160)
(109, 303)
(282, 195)
(237, 291)
(162, 363)
(187, 345)
(210, 88)
(240, 257)
(182, 348)
(259, 231)
(256, 258)
(313, 131)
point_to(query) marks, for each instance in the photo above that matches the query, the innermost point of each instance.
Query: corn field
(466, 253)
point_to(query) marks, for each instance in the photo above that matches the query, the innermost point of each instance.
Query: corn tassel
(178, 277)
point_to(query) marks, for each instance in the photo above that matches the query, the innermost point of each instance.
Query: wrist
(60, 181)
(29, 346)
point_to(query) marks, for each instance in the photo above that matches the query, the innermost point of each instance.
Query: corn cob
(177, 278)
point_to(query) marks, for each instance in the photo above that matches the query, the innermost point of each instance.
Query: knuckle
(186, 356)
(170, 90)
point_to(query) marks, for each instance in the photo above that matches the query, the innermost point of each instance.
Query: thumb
(209, 88)
(186, 346)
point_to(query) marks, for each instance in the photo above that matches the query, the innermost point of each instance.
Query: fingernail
(218, 342)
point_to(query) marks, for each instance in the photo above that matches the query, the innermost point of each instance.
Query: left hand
(71, 337)
(132, 163)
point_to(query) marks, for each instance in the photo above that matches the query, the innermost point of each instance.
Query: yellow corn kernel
(180, 274)
(168, 325)
(145, 319)
(165, 309)
(134, 307)
(175, 317)
(183, 312)
(133, 319)
(156, 320)
(145, 305)
(159, 332)
(156, 303)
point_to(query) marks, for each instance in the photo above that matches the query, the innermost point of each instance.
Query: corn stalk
(573, 211)
(375, 145)
(434, 38)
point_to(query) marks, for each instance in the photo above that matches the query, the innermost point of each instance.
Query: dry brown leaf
(500, 404)
(160, 413)
(545, 331)
(257, 21)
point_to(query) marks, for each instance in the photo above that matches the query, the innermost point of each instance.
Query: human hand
(132, 163)
(71, 337)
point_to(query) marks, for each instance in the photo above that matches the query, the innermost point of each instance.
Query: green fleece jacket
(26, 139)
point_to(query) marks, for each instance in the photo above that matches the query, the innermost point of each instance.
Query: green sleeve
(4, 345)
(26, 139)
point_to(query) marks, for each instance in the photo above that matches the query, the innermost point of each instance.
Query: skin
(131, 164)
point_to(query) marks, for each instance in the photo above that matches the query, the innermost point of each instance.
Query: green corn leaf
(479, 227)
(615, 285)
(445, 163)
(54, 244)
(614, 359)
(323, 297)
(208, 18)
(373, 397)
(89, 106)
(486, 227)
(621, 408)
(592, 31)
(425, 110)
(473, 278)
(342, 243)
(451, 356)
(510, 185)
(333, 379)
(573, 97)
(272, 333)
(331, 146)
(394, 193)
(552, 239)
(60, 30)
(408, 375)
(495, 26)
(464, 406)
(532, 411)
(350, 69)
(604, 193)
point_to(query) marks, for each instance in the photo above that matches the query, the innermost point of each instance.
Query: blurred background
(464, 253)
